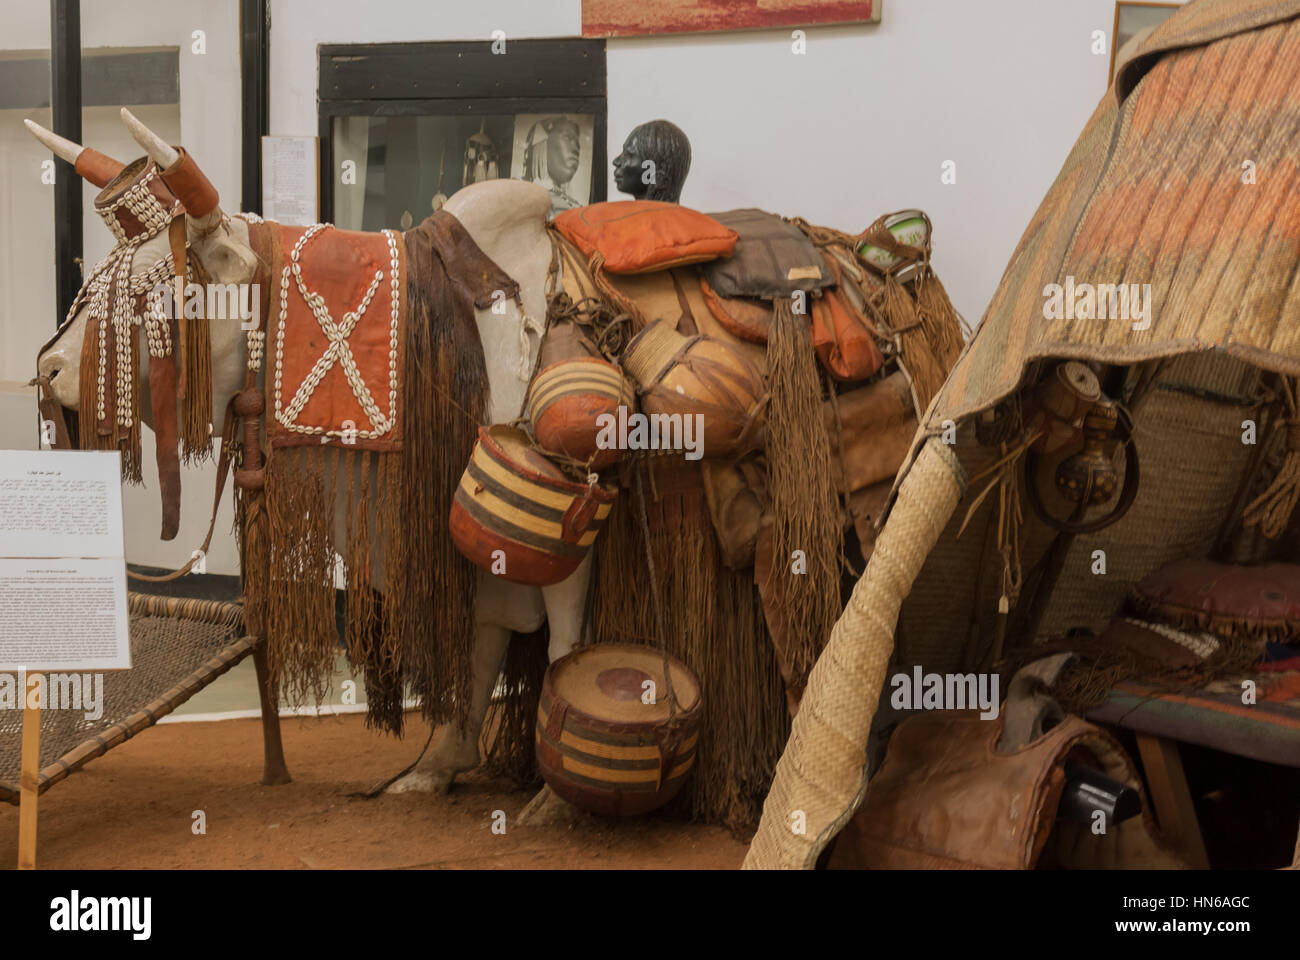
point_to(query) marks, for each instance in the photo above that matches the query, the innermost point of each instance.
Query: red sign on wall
(631, 18)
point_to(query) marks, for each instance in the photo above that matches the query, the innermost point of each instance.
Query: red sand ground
(134, 808)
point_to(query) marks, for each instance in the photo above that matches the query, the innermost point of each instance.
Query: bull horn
(94, 166)
(178, 170)
(160, 152)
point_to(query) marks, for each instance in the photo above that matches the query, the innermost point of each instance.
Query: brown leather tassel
(714, 624)
(898, 312)
(132, 458)
(805, 504)
(444, 399)
(196, 407)
(939, 320)
(362, 616)
(301, 633)
(87, 386)
(507, 741)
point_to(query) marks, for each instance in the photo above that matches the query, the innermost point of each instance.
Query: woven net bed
(179, 645)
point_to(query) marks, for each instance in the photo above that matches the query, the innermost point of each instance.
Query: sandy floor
(135, 807)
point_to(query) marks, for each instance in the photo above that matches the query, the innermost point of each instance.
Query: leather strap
(555, 721)
(51, 410)
(686, 323)
(176, 239)
(162, 398)
(578, 517)
(223, 467)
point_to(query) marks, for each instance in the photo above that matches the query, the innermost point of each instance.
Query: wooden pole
(65, 120)
(29, 781)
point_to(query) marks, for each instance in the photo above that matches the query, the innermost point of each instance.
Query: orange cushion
(640, 236)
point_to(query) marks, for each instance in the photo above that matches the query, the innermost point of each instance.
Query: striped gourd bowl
(564, 402)
(517, 516)
(600, 744)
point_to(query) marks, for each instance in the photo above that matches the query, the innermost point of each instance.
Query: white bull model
(507, 219)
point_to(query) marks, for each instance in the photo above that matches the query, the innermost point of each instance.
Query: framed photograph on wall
(404, 126)
(1131, 18)
(555, 151)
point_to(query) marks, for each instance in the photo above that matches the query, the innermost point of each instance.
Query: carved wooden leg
(274, 771)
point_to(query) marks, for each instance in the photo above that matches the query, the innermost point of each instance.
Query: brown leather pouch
(944, 798)
(747, 319)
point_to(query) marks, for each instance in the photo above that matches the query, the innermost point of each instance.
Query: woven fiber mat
(178, 646)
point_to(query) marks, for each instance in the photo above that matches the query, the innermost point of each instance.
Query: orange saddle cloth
(335, 343)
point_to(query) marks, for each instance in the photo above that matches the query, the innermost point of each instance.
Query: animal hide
(396, 488)
(337, 339)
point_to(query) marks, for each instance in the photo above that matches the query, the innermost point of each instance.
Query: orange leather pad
(340, 266)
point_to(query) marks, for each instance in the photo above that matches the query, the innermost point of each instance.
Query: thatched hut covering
(1185, 178)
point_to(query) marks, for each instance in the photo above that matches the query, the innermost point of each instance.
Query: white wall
(857, 127)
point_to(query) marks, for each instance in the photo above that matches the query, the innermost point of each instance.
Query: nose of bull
(55, 366)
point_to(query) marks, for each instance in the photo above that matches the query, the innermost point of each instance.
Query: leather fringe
(132, 459)
(196, 425)
(916, 354)
(620, 302)
(805, 503)
(444, 400)
(251, 528)
(938, 317)
(714, 624)
(509, 729)
(88, 423)
(301, 634)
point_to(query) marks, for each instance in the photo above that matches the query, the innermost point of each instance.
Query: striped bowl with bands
(599, 745)
(517, 516)
(564, 401)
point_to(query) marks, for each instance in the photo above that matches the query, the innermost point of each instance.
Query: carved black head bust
(655, 160)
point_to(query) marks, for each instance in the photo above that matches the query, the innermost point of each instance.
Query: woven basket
(515, 515)
(564, 402)
(652, 351)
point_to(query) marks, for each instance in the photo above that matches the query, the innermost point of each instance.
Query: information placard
(62, 563)
(290, 184)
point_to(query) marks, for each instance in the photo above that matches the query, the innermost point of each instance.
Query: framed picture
(1131, 18)
(404, 126)
(555, 150)
(632, 18)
